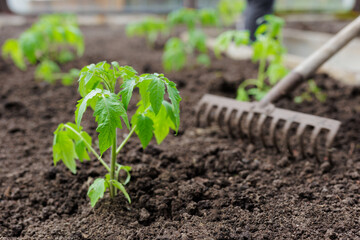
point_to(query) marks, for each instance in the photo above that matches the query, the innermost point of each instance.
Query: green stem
(125, 140)
(261, 73)
(89, 147)
(112, 167)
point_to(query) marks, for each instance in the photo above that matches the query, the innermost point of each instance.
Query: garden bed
(200, 184)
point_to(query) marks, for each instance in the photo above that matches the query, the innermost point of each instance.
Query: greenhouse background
(160, 6)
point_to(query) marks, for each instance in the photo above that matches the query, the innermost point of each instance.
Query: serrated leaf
(156, 91)
(144, 128)
(170, 113)
(122, 189)
(175, 101)
(64, 149)
(161, 125)
(108, 110)
(83, 103)
(127, 90)
(144, 93)
(96, 191)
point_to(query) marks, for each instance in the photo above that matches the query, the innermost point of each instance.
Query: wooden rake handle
(312, 63)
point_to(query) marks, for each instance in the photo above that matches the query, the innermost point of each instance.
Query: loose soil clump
(200, 184)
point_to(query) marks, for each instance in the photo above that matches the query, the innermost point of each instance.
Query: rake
(297, 134)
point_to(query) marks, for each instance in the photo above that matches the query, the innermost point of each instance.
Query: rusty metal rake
(280, 128)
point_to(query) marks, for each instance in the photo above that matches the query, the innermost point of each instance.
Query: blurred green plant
(312, 92)
(268, 52)
(178, 51)
(195, 44)
(149, 28)
(230, 10)
(51, 40)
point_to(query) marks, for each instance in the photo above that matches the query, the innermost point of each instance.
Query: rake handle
(312, 63)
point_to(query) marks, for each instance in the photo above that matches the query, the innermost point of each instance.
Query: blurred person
(254, 11)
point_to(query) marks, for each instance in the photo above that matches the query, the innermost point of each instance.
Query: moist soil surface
(200, 184)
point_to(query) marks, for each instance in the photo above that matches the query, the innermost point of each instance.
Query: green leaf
(170, 113)
(127, 169)
(203, 59)
(96, 191)
(83, 103)
(242, 95)
(108, 110)
(161, 125)
(174, 56)
(12, 48)
(64, 149)
(144, 128)
(127, 90)
(46, 70)
(276, 71)
(175, 101)
(122, 189)
(156, 91)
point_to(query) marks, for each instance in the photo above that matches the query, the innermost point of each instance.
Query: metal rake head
(298, 134)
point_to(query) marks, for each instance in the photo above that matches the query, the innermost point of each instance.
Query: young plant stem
(89, 147)
(261, 73)
(126, 139)
(112, 167)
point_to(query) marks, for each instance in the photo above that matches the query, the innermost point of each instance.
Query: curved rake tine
(313, 143)
(300, 137)
(200, 106)
(207, 114)
(260, 129)
(227, 121)
(329, 140)
(274, 122)
(248, 126)
(217, 115)
(238, 117)
(286, 137)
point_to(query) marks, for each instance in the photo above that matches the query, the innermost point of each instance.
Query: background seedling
(150, 28)
(51, 40)
(268, 52)
(155, 116)
(313, 91)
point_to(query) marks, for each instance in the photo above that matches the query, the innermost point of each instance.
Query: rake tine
(197, 113)
(272, 133)
(300, 136)
(286, 137)
(329, 140)
(260, 129)
(248, 126)
(207, 114)
(227, 121)
(238, 117)
(217, 115)
(313, 142)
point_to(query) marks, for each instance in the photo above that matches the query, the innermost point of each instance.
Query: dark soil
(200, 184)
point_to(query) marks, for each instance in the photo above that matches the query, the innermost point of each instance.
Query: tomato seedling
(267, 50)
(230, 10)
(51, 40)
(150, 28)
(312, 91)
(155, 116)
(195, 45)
